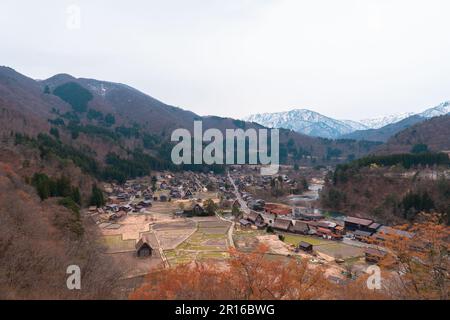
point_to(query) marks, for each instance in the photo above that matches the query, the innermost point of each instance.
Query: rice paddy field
(209, 241)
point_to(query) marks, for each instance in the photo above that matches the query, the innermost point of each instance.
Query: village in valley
(173, 218)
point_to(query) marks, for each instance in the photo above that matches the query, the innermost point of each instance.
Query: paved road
(238, 196)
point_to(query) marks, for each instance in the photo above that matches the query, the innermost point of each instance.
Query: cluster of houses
(358, 228)
(116, 211)
(291, 186)
(185, 184)
(326, 229)
(364, 230)
(310, 221)
(136, 196)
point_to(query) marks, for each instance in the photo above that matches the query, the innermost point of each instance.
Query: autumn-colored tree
(256, 277)
(419, 264)
(197, 281)
(358, 290)
(250, 276)
(415, 268)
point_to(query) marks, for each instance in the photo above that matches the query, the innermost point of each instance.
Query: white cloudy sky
(347, 59)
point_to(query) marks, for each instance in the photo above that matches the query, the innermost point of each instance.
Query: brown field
(172, 234)
(246, 240)
(131, 266)
(340, 250)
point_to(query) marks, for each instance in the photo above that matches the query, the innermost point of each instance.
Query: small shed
(143, 248)
(305, 246)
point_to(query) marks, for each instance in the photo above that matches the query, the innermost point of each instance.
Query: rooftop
(360, 221)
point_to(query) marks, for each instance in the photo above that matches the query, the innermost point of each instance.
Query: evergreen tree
(97, 198)
(419, 148)
(235, 212)
(210, 207)
(63, 187)
(42, 184)
(76, 196)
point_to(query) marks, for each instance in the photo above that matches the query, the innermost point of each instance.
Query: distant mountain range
(315, 124)
(376, 123)
(102, 119)
(306, 122)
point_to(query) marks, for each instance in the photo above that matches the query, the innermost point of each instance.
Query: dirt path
(230, 230)
(161, 251)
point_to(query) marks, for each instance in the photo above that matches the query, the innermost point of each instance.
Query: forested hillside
(391, 189)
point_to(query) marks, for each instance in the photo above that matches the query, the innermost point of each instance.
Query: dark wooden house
(301, 227)
(283, 225)
(193, 209)
(143, 248)
(257, 219)
(353, 224)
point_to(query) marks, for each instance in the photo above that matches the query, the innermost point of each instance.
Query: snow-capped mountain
(356, 125)
(315, 124)
(440, 110)
(379, 122)
(376, 123)
(307, 122)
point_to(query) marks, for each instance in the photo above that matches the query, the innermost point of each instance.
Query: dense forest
(392, 188)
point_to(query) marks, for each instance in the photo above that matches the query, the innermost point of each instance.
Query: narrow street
(238, 196)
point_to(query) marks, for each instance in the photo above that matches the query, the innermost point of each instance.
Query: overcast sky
(349, 59)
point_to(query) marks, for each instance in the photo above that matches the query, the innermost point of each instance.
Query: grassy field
(201, 240)
(176, 257)
(295, 239)
(114, 243)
